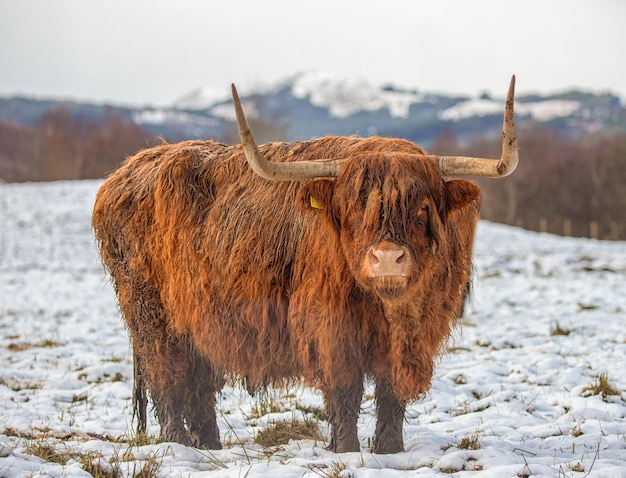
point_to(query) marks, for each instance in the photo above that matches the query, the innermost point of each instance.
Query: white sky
(155, 51)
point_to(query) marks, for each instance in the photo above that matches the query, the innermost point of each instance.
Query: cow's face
(391, 212)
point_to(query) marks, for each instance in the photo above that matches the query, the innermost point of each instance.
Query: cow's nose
(387, 260)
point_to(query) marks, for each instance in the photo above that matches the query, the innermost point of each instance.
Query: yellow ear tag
(315, 203)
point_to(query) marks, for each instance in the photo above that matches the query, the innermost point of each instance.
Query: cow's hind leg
(140, 396)
(161, 358)
(200, 401)
(390, 415)
(343, 406)
(167, 388)
(165, 369)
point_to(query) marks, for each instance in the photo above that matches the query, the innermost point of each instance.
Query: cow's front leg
(343, 405)
(390, 414)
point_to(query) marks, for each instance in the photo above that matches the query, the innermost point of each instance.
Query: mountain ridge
(312, 104)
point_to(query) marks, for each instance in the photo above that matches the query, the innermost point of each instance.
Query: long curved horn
(279, 171)
(464, 166)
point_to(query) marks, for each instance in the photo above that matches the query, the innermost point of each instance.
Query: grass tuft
(318, 413)
(18, 386)
(577, 467)
(469, 442)
(335, 470)
(142, 439)
(47, 452)
(280, 432)
(576, 431)
(556, 329)
(93, 464)
(265, 407)
(601, 386)
(149, 470)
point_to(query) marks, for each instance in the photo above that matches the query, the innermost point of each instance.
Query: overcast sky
(155, 51)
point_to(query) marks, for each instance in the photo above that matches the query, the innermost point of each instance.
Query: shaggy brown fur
(220, 272)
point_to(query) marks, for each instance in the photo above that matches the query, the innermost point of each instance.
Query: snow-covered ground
(547, 319)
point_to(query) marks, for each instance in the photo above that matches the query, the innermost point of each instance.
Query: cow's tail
(140, 397)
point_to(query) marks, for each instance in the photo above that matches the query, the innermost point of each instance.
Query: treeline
(64, 146)
(68, 146)
(563, 186)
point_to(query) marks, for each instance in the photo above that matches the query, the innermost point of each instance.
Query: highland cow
(330, 261)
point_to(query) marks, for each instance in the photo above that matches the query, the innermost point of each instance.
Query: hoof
(344, 447)
(387, 448)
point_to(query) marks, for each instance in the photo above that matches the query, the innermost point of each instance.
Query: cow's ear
(316, 194)
(463, 197)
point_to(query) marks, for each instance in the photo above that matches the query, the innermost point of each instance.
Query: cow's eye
(422, 215)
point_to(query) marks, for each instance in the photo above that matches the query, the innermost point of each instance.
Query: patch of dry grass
(280, 432)
(601, 386)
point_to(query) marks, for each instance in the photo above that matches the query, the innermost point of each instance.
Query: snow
(544, 110)
(160, 116)
(202, 98)
(340, 94)
(508, 382)
(345, 96)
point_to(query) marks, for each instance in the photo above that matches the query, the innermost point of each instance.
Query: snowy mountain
(313, 104)
(344, 97)
(341, 96)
